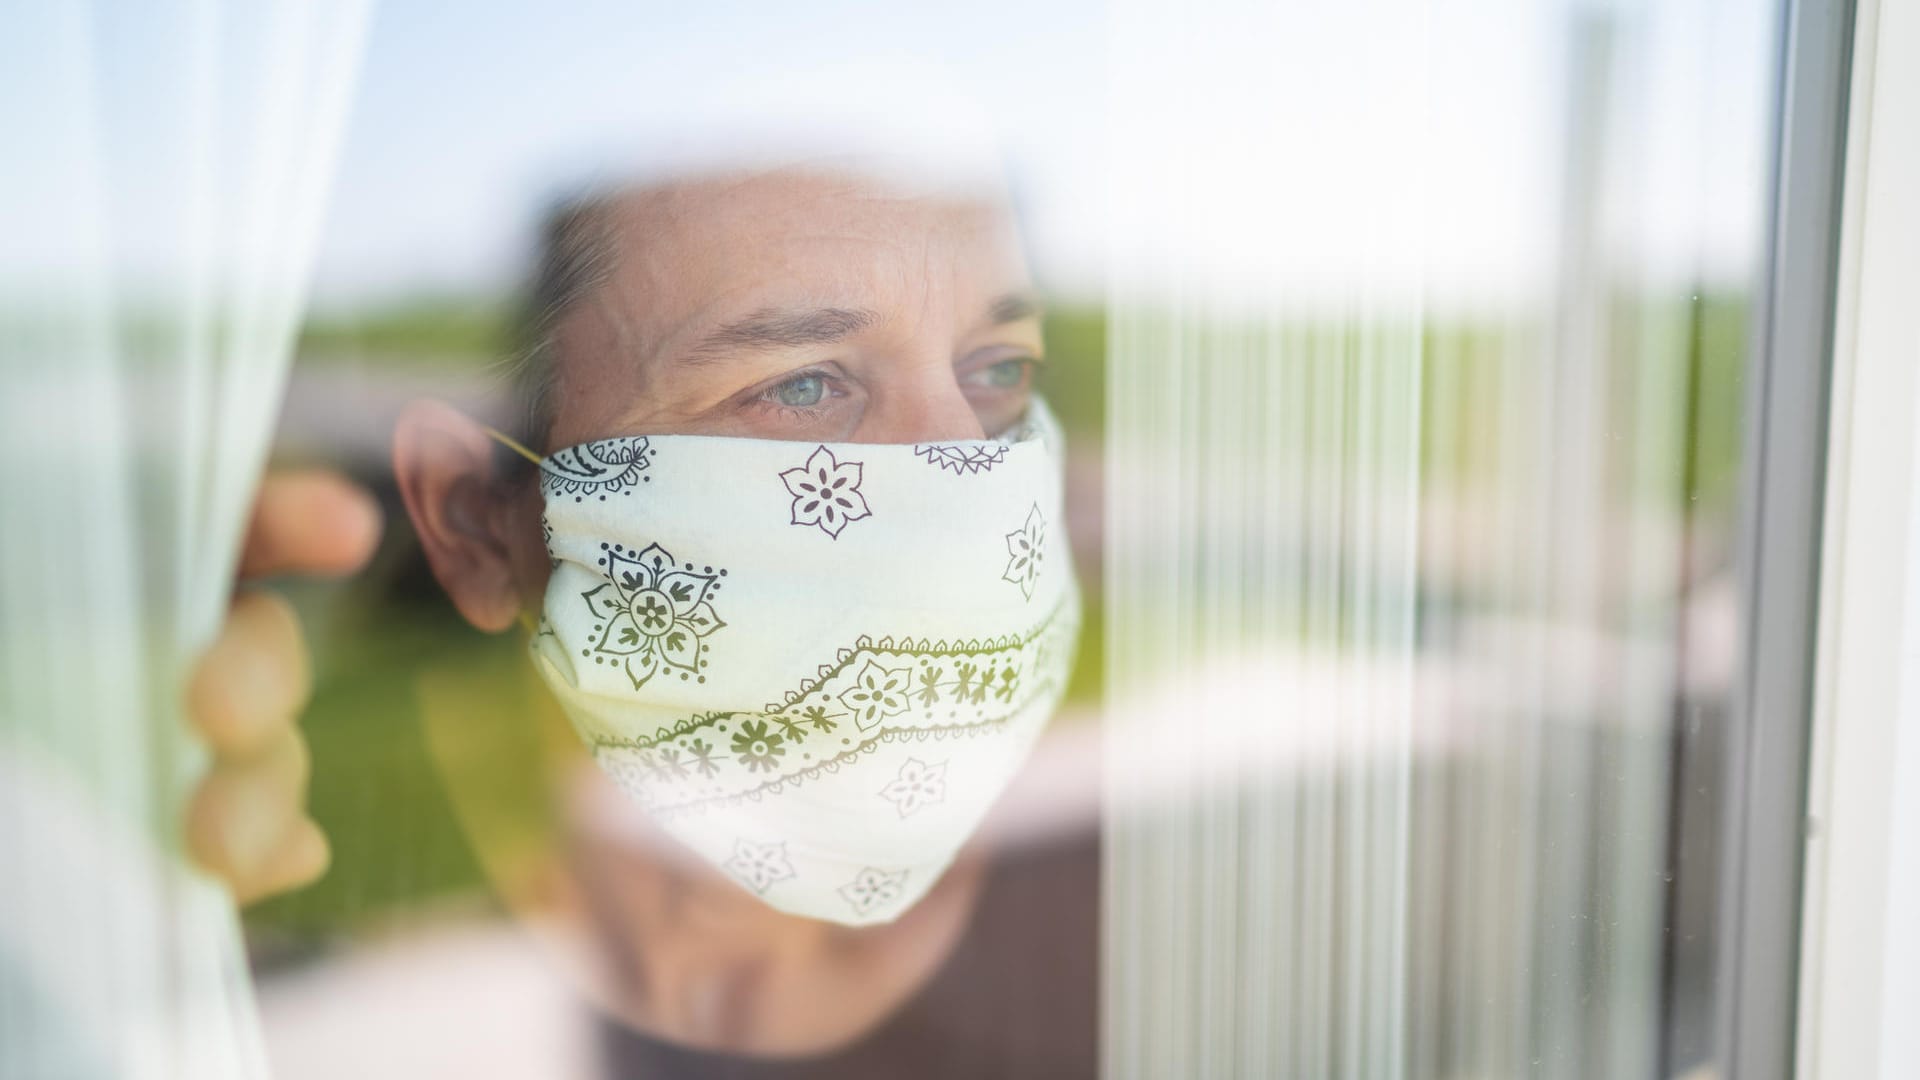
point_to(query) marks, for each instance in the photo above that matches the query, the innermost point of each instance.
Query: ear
(443, 463)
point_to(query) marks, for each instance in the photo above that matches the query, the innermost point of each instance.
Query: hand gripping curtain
(165, 169)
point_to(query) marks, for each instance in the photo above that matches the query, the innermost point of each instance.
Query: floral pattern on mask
(872, 888)
(963, 458)
(757, 748)
(917, 785)
(877, 693)
(600, 469)
(700, 758)
(826, 492)
(916, 690)
(651, 614)
(759, 865)
(1025, 545)
(631, 769)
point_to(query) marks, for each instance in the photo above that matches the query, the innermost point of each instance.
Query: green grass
(375, 790)
(423, 331)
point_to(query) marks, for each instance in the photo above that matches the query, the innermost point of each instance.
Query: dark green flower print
(702, 759)
(816, 717)
(757, 748)
(877, 693)
(667, 764)
(930, 685)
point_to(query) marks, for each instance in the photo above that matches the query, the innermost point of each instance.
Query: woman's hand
(247, 821)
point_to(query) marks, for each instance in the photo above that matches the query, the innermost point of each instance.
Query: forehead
(691, 259)
(699, 250)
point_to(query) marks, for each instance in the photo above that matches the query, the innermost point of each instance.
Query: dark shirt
(1017, 998)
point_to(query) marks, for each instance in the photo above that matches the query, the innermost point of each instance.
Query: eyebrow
(1012, 308)
(774, 328)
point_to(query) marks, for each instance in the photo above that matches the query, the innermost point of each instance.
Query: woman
(733, 883)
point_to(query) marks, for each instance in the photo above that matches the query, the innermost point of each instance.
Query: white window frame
(1859, 990)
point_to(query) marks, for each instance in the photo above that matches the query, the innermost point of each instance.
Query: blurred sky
(470, 117)
(1256, 141)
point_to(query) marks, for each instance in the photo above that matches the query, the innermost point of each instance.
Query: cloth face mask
(815, 665)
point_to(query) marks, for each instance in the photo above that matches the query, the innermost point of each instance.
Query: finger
(253, 681)
(310, 522)
(240, 815)
(299, 859)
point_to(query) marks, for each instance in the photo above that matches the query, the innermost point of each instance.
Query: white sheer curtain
(1427, 334)
(167, 163)
(1262, 479)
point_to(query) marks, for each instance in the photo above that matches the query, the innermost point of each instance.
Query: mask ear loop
(510, 443)
(526, 618)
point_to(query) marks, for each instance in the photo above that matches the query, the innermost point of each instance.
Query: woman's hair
(577, 246)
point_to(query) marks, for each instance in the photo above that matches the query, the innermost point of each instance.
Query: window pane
(1428, 350)
(1365, 383)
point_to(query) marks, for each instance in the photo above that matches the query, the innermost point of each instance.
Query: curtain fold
(1428, 332)
(167, 167)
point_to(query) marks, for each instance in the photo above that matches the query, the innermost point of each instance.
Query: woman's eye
(1008, 374)
(800, 391)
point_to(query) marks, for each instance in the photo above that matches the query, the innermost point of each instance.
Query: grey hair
(575, 257)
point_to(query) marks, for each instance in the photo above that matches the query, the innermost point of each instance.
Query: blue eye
(800, 391)
(1007, 374)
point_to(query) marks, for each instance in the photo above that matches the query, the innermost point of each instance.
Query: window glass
(859, 539)
(1428, 352)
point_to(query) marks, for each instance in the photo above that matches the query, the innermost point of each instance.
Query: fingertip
(319, 851)
(248, 838)
(302, 860)
(312, 521)
(355, 525)
(253, 680)
(341, 521)
(206, 834)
